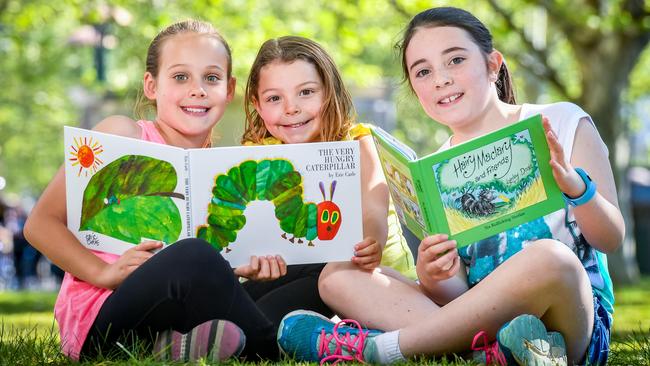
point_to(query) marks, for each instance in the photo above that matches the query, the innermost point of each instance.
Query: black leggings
(190, 283)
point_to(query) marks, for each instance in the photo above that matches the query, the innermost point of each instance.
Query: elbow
(28, 229)
(615, 243)
(619, 241)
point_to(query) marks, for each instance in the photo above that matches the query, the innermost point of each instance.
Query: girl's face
(449, 74)
(290, 100)
(192, 88)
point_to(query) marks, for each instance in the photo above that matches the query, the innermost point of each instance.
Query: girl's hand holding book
(367, 254)
(114, 274)
(437, 259)
(568, 180)
(262, 268)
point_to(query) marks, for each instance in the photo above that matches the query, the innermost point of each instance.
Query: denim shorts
(598, 350)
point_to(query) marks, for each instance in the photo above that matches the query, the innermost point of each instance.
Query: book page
(268, 200)
(402, 191)
(394, 144)
(122, 191)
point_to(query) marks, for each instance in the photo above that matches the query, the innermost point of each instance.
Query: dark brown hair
(459, 18)
(337, 111)
(153, 55)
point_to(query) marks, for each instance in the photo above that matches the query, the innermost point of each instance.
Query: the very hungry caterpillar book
(301, 201)
(475, 189)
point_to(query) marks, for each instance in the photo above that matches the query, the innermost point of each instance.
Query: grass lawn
(29, 336)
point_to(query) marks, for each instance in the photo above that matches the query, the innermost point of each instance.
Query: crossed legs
(545, 279)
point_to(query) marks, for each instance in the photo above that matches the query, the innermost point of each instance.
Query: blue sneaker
(311, 337)
(525, 340)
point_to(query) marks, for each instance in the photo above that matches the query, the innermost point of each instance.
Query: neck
(175, 138)
(497, 115)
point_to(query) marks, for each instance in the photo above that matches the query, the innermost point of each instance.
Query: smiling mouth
(195, 110)
(450, 99)
(297, 125)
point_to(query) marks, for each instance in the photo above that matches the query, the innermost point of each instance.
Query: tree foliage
(592, 52)
(50, 75)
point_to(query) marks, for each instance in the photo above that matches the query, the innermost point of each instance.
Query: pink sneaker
(214, 340)
(487, 353)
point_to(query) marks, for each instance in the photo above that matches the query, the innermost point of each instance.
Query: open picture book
(300, 201)
(475, 189)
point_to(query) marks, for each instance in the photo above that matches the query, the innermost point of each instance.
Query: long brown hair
(459, 18)
(143, 104)
(337, 111)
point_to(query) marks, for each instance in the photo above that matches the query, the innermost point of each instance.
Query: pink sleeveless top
(79, 302)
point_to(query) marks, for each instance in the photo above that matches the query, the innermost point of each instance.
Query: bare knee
(555, 263)
(331, 278)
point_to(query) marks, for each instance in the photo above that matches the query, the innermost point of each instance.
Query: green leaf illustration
(130, 199)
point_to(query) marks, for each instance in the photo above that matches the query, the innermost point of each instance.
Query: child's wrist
(587, 193)
(577, 190)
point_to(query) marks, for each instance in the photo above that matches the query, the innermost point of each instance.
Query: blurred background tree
(73, 62)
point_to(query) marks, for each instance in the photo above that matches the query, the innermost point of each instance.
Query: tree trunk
(606, 66)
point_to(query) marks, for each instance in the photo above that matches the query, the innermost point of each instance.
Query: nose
(291, 108)
(197, 91)
(442, 79)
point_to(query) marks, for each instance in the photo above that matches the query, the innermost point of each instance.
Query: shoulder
(119, 125)
(572, 125)
(265, 141)
(557, 113)
(359, 130)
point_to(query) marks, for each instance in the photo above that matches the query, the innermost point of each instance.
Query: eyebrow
(184, 65)
(447, 51)
(298, 86)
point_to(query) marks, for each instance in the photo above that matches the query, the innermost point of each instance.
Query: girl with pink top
(171, 301)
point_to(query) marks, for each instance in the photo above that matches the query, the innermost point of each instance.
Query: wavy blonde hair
(337, 111)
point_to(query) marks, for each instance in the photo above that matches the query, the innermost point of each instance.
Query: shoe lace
(353, 343)
(493, 355)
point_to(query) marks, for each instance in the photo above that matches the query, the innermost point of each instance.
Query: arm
(600, 219)
(374, 200)
(46, 228)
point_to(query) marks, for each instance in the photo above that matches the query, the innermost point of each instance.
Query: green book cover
(475, 189)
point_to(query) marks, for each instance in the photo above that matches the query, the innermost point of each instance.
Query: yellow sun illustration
(85, 154)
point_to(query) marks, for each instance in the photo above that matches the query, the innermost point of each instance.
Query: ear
(232, 83)
(256, 104)
(149, 86)
(494, 62)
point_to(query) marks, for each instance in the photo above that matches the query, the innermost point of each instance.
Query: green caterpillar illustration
(272, 180)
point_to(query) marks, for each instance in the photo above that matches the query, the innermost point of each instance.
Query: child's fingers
(453, 268)
(264, 271)
(282, 264)
(554, 146)
(244, 271)
(432, 240)
(135, 257)
(556, 167)
(434, 251)
(446, 258)
(548, 131)
(364, 243)
(369, 250)
(148, 245)
(254, 263)
(366, 263)
(359, 261)
(273, 267)
(141, 255)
